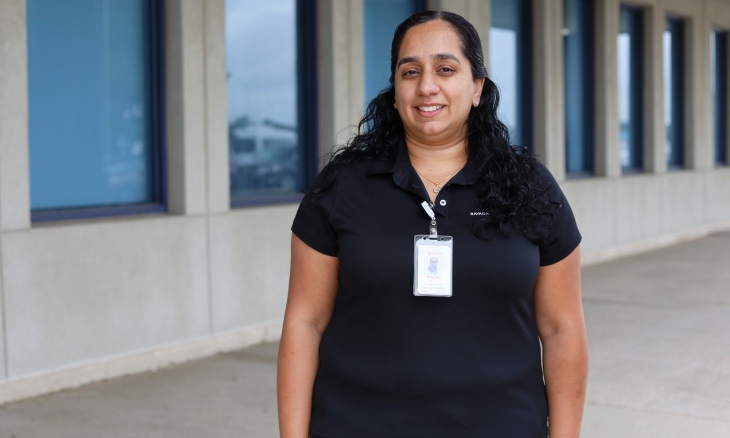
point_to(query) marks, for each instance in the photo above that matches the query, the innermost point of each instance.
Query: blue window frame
(630, 78)
(674, 92)
(381, 19)
(272, 99)
(719, 55)
(510, 54)
(96, 134)
(578, 64)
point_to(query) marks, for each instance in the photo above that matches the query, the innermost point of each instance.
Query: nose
(428, 85)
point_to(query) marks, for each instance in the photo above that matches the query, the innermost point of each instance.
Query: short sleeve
(563, 235)
(312, 221)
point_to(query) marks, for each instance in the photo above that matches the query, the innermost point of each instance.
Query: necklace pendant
(436, 189)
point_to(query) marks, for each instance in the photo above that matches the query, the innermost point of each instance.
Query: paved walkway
(659, 334)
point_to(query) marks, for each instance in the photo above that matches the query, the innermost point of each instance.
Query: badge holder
(432, 261)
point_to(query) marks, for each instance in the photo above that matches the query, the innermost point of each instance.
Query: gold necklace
(437, 185)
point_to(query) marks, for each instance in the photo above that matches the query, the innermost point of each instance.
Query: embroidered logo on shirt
(479, 213)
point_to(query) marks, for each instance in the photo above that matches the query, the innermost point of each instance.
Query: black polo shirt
(397, 365)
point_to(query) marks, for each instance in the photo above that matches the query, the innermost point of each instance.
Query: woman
(363, 352)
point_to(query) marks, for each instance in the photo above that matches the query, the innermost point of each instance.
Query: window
(381, 19)
(578, 89)
(674, 92)
(719, 95)
(509, 61)
(95, 124)
(271, 99)
(630, 75)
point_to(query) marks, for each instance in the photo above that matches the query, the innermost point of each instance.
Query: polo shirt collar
(399, 164)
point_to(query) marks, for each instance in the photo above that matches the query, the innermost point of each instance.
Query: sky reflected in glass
(261, 50)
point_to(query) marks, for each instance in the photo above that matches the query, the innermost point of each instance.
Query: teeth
(429, 109)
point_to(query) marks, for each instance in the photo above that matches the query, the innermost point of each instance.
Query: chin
(432, 131)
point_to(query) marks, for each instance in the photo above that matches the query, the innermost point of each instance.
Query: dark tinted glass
(92, 107)
(630, 89)
(674, 92)
(510, 67)
(266, 153)
(719, 94)
(578, 68)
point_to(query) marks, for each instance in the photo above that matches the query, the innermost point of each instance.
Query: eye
(410, 72)
(446, 69)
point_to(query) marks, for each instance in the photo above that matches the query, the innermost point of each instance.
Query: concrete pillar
(477, 12)
(14, 175)
(655, 157)
(606, 16)
(548, 98)
(186, 134)
(218, 192)
(698, 138)
(693, 141)
(342, 70)
(701, 89)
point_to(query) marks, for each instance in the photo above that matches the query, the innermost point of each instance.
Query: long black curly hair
(509, 186)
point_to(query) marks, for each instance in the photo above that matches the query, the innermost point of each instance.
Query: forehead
(435, 36)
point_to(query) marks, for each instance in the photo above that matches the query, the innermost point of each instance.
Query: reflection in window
(578, 67)
(674, 92)
(630, 89)
(509, 62)
(92, 105)
(265, 149)
(381, 19)
(719, 94)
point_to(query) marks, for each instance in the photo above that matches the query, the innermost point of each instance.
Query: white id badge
(432, 258)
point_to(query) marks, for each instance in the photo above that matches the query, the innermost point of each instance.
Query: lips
(430, 108)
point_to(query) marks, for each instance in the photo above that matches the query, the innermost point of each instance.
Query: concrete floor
(659, 334)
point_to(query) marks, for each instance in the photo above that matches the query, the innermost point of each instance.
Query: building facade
(153, 152)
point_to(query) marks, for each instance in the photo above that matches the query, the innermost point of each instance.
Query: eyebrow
(435, 57)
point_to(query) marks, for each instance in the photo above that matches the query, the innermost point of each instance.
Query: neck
(436, 164)
(437, 160)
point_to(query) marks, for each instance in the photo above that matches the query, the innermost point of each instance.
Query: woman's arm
(312, 291)
(560, 323)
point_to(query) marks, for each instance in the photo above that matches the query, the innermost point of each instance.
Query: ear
(478, 84)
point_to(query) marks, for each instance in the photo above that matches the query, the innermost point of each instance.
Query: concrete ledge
(136, 362)
(603, 255)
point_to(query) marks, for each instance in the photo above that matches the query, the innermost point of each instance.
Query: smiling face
(434, 86)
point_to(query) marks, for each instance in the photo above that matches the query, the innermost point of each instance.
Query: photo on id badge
(433, 265)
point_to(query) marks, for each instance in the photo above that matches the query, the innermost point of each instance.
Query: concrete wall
(14, 188)
(624, 214)
(86, 300)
